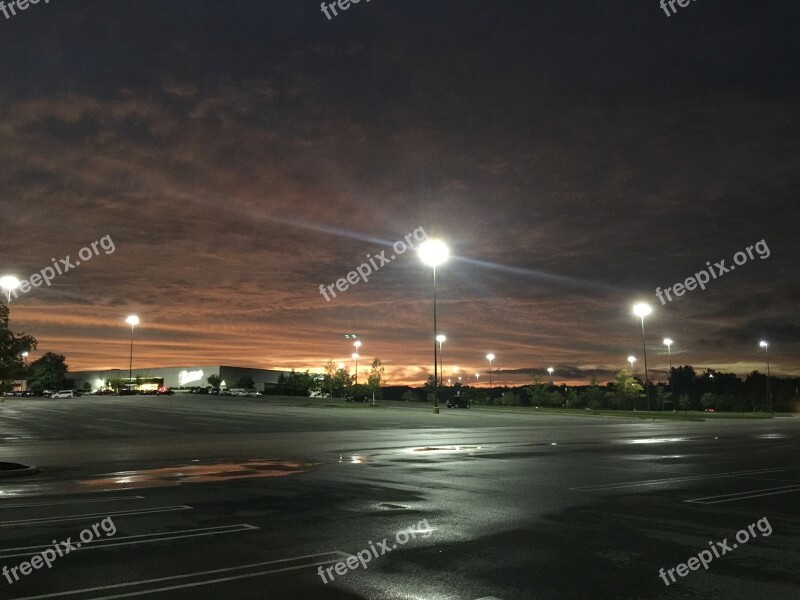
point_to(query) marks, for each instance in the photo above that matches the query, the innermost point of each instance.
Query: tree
(12, 346)
(376, 377)
(509, 398)
(297, 384)
(116, 383)
(708, 400)
(214, 380)
(593, 396)
(246, 383)
(538, 392)
(663, 397)
(335, 380)
(410, 396)
(48, 372)
(626, 390)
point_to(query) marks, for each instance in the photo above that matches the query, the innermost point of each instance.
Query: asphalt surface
(246, 498)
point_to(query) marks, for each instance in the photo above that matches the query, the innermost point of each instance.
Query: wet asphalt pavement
(248, 498)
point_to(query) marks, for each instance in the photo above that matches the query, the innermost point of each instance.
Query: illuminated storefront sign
(185, 377)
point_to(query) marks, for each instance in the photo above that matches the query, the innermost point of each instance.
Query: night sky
(574, 155)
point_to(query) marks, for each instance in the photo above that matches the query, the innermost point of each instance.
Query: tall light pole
(355, 358)
(434, 253)
(632, 359)
(550, 371)
(133, 321)
(490, 358)
(477, 378)
(642, 310)
(441, 338)
(765, 345)
(668, 343)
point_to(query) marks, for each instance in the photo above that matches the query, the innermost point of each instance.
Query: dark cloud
(241, 154)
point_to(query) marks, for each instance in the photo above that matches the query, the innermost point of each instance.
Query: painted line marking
(784, 489)
(196, 574)
(112, 499)
(121, 513)
(142, 538)
(612, 486)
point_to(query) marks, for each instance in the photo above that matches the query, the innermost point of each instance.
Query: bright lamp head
(490, 357)
(631, 359)
(434, 252)
(642, 309)
(9, 282)
(668, 342)
(132, 320)
(441, 338)
(763, 344)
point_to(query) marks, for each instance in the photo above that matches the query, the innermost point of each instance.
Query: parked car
(64, 394)
(164, 391)
(357, 398)
(458, 402)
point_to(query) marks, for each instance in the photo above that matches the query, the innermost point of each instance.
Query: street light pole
(355, 358)
(668, 342)
(357, 344)
(441, 338)
(132, 320)
(642, 310)
(434, 253)
(490, 358)
(765, 345)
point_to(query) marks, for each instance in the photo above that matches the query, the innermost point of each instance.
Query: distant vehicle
(711, 410)
(164, 391)
(357, 398)
(103, 393)
(64, 394)
(458, 402)
(253, 394)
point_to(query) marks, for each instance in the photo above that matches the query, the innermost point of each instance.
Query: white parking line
(784, 489)
(88, 501)
(121, 513)
(631, 484)
(143, 538)
(339, 556)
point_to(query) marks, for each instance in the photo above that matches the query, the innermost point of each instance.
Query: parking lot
(247, 498)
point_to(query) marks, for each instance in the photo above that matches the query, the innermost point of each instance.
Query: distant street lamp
(8, 283)
(765, 346)
(477, 378)
(490, 358)
(355, 358)
(632, 359)
(550, 371)
(668, 343)
(441, 338)
(434, 253)
(642, 310)
(132, 320)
